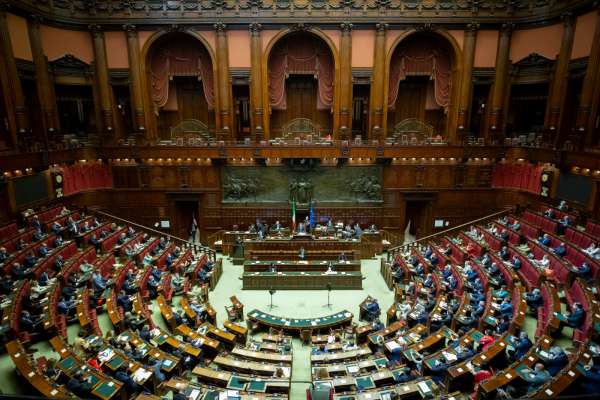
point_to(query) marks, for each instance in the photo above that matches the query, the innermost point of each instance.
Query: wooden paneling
(301, 91)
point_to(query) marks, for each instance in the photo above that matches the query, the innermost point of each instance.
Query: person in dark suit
(557, 360)
(560, 250)
(124, 301)
(79, 385)
(522, 346)
(591, 381)
(534, 299)
(584, 271)
(575, 318)
(537, 377)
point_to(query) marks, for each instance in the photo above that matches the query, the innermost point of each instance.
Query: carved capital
(381, 27)
(426, 27)
(507, 28)
(255, 28)
(346, 27)
(300, 26)
(95, 29)
(568, 18)
(220, 27)
(36, 20)
(174, 28)
(472, 27)
(130, 29)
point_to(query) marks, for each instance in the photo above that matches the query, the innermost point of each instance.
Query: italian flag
(293, 215)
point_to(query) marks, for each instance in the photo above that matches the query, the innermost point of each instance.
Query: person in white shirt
(593, 250)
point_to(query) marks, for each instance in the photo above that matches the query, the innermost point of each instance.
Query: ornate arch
(457, 62)
(318, 33)
(145, 53)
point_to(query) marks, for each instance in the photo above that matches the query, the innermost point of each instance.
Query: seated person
(18, 272)
(428, 252)
(428, 282)
(584, 271)
(516, 263)
(534, 298)
(575, 318)
(545, 240)
(522, 345)
(79, 385)
(58, 242)
(419, 269)
(145, 333)
(43, 250)
(3, 255)
(487, 339)
(503, 325)
(37, 235)
(549, 213)
(124, 301)
(451, 283)
(66, 307)
(30, 323)
(342, 257)
(447, 271)
(479, 310)
(486, 260)
(465, 352)
(372, 308)
(94, 241)
(516, 226)
(477, 296)
(56, 228)
(124, 375)
(504, 235)
(557, 360)
(536, 377)
(438, 370)
(152, 286)
(506, 308)
(86, 268)
(501, 293)
(560, 250)
(593, 250)
(29, 260)
(504, 253)
(477, 285)
(591, 381)
(98, 282)
(494, 269)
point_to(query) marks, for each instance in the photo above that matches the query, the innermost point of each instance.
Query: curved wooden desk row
(298, 265)
(302, 280)
(295, 325)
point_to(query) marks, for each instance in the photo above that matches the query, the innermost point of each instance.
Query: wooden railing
(420, 243)
(184, 244)
(392, 238)
(218, 235)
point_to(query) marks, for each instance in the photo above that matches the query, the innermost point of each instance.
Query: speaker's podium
(319, 391)
(238, 253)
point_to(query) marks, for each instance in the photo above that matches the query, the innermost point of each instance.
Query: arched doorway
(180, 84)
(301, 78)
(423, 82)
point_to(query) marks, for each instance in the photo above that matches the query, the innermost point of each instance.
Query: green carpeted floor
(291, 303)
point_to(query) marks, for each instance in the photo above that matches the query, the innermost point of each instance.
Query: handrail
(197, 247)
(417, 243)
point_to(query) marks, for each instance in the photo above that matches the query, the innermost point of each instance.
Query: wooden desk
(240, 332)
(262, 356)
(207, 344)
(296, 325)
(340, 356)
(40, 382)
(301, 280)
(298, 265)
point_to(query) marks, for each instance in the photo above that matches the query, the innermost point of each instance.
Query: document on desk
(106, 355)
(140, 375)
(423, 387)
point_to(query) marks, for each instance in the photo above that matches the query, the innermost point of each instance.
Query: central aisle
(300, 304)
